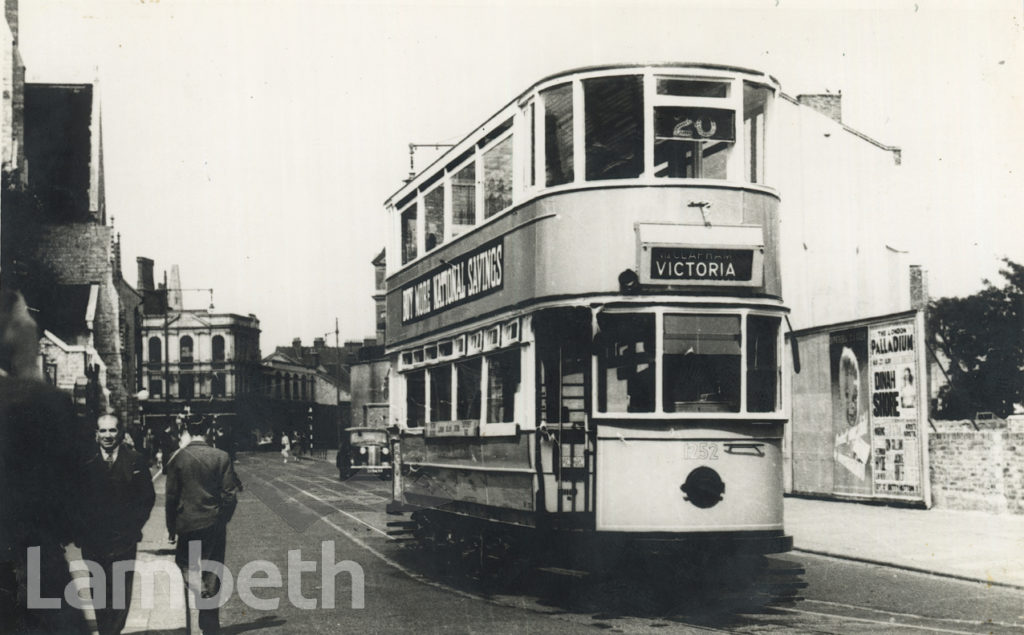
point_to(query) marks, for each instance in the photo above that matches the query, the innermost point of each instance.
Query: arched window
(218, 348)
(186, 350)
(155, 350)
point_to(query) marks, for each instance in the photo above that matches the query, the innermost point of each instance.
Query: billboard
(877, 445)
(851, 450)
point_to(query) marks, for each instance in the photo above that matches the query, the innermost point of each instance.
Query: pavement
(967, 545)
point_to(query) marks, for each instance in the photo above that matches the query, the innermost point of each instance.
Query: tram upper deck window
(755, 100)
(558, 148)
(498, 177)
(433, 207)
(614, 127)
(702, 363)
(464, 199)
(408, 233)
(626, 363)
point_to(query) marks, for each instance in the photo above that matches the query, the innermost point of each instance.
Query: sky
(253, 142)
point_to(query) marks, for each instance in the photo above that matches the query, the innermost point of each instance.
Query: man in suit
(202, 491)
(117, 497)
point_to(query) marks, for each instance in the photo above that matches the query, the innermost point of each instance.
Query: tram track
(319, 494)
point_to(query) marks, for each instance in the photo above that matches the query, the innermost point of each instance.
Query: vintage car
(366, 450)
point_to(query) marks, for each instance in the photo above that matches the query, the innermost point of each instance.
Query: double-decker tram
(585, 311)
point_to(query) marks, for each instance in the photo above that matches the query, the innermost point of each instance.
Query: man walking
(201, 496)
(116, 498)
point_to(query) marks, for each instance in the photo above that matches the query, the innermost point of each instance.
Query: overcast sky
(253, 142)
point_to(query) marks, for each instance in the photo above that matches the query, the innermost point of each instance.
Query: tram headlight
(362, 450)
(703, 487)
(385, 450)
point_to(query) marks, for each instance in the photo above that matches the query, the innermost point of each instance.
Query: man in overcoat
(202, 490)
(116, 499)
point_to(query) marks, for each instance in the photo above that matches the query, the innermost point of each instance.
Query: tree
(982, 336)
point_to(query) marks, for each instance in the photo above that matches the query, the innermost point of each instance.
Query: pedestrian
(115, 498)
(202, 491)
(41, 443)
(286, 446)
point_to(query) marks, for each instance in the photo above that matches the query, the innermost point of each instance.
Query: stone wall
(80, 253)
(978, 470)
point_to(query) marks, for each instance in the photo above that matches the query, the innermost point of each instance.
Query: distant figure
(116, 496)
(202, 491)
(286, 446)
(41, 447)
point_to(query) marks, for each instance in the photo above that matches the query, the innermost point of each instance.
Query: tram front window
(626, 366)
(614, 125)
(702, 363)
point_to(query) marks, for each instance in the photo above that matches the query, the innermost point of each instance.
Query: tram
(585, 311)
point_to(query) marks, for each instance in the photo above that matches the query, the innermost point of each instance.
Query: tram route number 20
(700, 451)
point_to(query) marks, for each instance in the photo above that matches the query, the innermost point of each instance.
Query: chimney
(297, 348)
(918, 287)
(827, 104)
(145, 268)
(318, 342)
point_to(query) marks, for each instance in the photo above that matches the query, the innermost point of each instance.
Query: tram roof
(726, 68)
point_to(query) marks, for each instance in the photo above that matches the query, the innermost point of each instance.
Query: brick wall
(978, 470)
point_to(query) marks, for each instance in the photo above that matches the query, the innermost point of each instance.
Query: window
(702, 363)
(558, 157)
(682, 87)
(502, 386)
(467, 377)
(763, 369)
(441, 393)
(186, 387)
(626, 366)
(186, 350)
(415, 399)
(217, 385)
(409, 234)
(614, 124)
(464, 199)
(433, 207)
(692, 143)
(156, 386)
(498, 177)
(218, 348)
(755, 100)
(155, 350)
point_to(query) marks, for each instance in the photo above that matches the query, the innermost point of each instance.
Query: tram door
(563, 349)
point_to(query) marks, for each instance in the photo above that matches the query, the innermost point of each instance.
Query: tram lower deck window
(702, 363)
(503, 374)
(415, 399)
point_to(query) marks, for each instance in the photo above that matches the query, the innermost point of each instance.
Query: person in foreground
(202, 491)
(40, 450)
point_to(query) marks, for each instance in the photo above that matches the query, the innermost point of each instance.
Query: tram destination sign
(467, 277)
(702, 265)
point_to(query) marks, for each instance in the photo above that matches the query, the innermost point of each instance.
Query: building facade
(194, 360)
